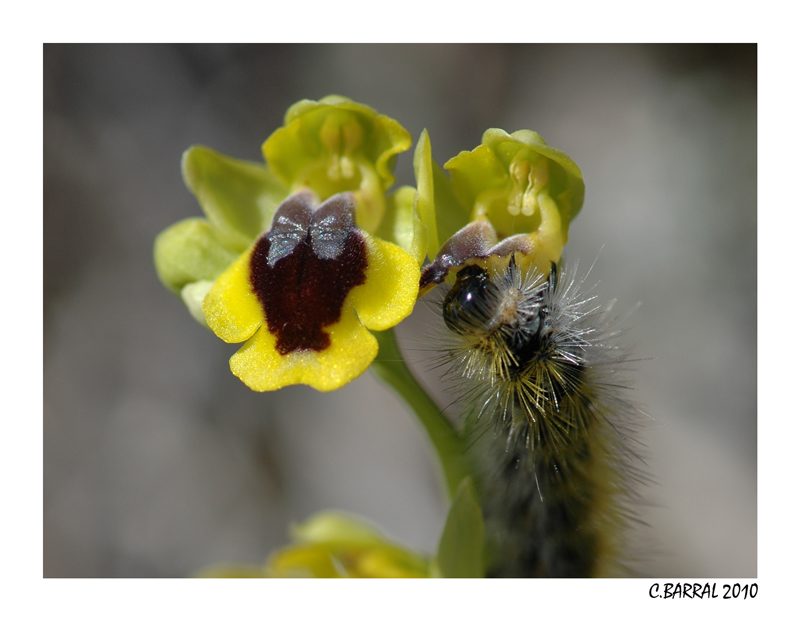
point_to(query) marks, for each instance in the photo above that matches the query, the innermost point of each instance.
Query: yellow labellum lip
(305, 293)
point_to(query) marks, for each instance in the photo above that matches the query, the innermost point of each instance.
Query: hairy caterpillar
(538, 366)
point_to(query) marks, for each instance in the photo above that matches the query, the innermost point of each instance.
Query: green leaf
(238, 197)
(461, 546)
(190, 251)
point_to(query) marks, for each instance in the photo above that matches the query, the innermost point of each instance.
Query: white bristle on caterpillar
(535, 361)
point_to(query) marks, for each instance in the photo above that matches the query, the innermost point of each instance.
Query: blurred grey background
(157, 461)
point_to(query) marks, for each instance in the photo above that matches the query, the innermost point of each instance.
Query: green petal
(390, 138)
(403, 225)
(239, 198)
(474, 171)
(461, 546)
(438, 206)
(189, 251)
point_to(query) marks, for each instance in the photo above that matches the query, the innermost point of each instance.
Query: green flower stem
(449, 445)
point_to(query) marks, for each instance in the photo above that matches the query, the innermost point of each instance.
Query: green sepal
(441, 212)
(189, 251)
(474, 171)
(461, 546)
(238, 197)
(402, 224)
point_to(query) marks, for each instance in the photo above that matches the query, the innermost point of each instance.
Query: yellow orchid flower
(334, 271)
(305, 294)
(332, 545)
(520, 193)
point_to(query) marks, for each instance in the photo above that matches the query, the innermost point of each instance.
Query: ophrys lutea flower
(301, 256)
(521, 195)
(305, 294)
(332, 545)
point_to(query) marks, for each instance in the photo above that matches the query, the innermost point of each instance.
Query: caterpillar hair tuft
(536, 363)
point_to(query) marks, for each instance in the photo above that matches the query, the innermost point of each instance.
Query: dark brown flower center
(304, 267)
